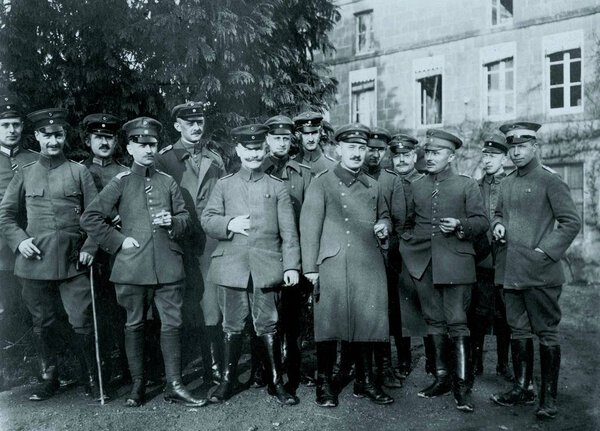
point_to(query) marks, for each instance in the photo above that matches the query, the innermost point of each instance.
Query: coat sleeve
(180, 216)
(9, 212)
(89, 190)
(213, 218)
(556, 242)
(476, 222)
(499, 210)
(409, 220)
(312, 217)
(398, 206)
(290, 246)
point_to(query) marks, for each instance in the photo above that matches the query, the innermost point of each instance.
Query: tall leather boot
(522, 390)
(364, 383)
(478, 330)
(429, 355)
(383, 366)
(215, 338)
(462, 374)
(326, 356)
(272, 349)
(87, 354)
(232, 349)
(48, 374)
(550, 366)
(441, 358)
(134, 348)
(293, 362)
(345, 373)
(502, 331)
(175, 391)
(258, 372)
(404, 357)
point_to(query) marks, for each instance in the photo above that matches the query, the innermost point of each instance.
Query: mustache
(104, 147)
(355, 159)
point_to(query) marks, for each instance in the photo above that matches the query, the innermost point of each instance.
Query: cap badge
(253, 137)
(103, 118)
(51, 121)
(146, 131)
(375, 136)
(49, 114)
(7, 106)
(194, 110)
(145, 122)
(103, 125)
(6, 99)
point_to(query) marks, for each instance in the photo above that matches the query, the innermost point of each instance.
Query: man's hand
(499, 232)
(239, 224)
(163, 219)
(28, 250)
(381, 231)
(449, 224)
(129, 242)
(85, 258)
(313, 277)
(291, 277)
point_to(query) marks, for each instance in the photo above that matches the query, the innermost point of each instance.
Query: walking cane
(97, 343)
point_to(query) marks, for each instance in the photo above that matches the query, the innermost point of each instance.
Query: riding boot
(258, 372)
(462, 374)
(48, 374)
(429, 355)
(441, 359)
(272, 349)
(345, 373)
(134, 347)
(175, 391)
(293, 363)
(383, 366)
(364, 383)
(87, 355)
(326, 356)
(522, 390)
(502, 331)
(477, 341)
(215, 338)
(232, 350)
(404, 357)
(550, 366)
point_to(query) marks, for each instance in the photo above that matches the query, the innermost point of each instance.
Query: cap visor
(50, 128)
(145, 140)
(308, 129)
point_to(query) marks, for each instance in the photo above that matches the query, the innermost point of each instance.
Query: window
(364, 32)
(500, 88)
(572, 174)
(430, 89)
(363, 96)
(502, 12)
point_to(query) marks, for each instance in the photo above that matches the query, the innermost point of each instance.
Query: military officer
(251, 215)
(532, 273)
(393, 192)
(148, 263)
(13, 156)
(404, 158)
(445, 214)
(487, 304)
(52, 251)
(343, 217)
(308, 127)
(196, 168)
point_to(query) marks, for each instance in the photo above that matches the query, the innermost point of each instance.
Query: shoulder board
(465, 175)
(368, 175)
(167, 148)
(317, 175)
(29, 164)
(420, 177)
(120, 175)
(302, 165)
(328, 157)
(275, 178)
(226, 176)
(391, 171)
(215, 153)
(31, 151)
(121, 164)
(77, 163)
(549, 169)
(163, 173)
(511, 172)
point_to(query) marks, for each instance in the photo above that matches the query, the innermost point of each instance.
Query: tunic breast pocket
(34, 193)
(74, 196)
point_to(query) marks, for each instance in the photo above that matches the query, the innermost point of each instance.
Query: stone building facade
(469, 66)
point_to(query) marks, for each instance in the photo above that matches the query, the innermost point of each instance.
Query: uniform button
(348, 245)
(147, 179)
(347, 232)
(345, 206)
(149, 200)
(432, 234)
(433, 217)
(292, 187)
(154, 230)
(340, 183)
(343, 194)
(346, 219)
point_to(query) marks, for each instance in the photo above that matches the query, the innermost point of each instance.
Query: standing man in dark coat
(308, 127)
(148, 264)
(196, 168)
(343, 218)
(52, 251)
(445, 215)
(538, 220)
(251, 215)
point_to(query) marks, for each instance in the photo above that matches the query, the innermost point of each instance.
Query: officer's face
(492, 162)
(404, 162)
(279, 145)
(374, 156)
(251, 157)
(352, 154)
(436, 160)
(191, 129)
(142, 153)
(522, 154)
(310, 140)
(52, 143)
(101, 145)
(10, 131)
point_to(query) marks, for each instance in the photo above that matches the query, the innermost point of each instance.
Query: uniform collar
(10, 151)
(279, 162)
(101, 162)
(312, 156)
(534, 163)
(443, 175)
(52, 162)
(409, 175)
(191, 147)
(490, 179)
(349, 177)
(143, 171)
(251, 175)
(373, 171)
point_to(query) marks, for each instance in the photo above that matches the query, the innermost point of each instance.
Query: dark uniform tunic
(155, 268)
(338, 243)
(103, 170)
(537, 210)
(196, 169)
(316, 160)
(248, 268)
(443, 265)
(53, 192)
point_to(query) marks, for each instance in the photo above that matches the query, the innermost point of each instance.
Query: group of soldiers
(370, 251)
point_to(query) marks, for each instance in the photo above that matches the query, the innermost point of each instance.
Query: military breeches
(76, 297)
(137, 299)
(444, 306)
(534, 310)
(237, 304)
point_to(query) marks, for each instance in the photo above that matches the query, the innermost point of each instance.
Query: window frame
(563, 170)
(494, 4)
(369, 34)
(362, 76)
(425, 68)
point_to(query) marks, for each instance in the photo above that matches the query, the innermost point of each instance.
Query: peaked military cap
(190, 110)
(437, 139)
(401, 143)
(49, 119)
(354, 133)
(308, 121)
(250, 134)
(520, 132)
(10, 107)
(101, 124)
(280, 125)
(494, 143)
(379, 137)
(143, 130)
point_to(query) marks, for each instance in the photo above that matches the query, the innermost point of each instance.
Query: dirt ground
(254, 410)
